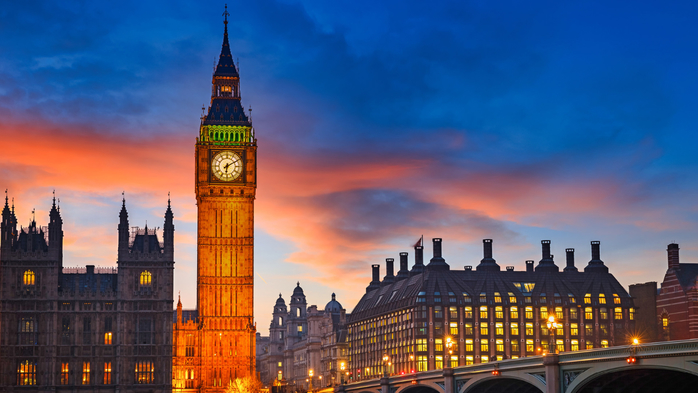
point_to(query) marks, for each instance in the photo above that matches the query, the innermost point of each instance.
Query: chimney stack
(389, 276)
(673, 255)
(404, 271)
(529, 266)
(487, 263)
(418, 260)
(570, 261)
(376, 282)
(546, 264)
(437, 262)
(596, 265)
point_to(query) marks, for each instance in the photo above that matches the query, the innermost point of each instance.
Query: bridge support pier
(449, 380)
(385, 384)
(552, 373)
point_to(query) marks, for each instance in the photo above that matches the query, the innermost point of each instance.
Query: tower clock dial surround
(226, 165)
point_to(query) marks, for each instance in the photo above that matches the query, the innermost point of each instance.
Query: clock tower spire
(225, 185)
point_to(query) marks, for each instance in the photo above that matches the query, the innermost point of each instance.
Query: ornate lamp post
(342, 366)
(412, 363)
(448, 352)
(310, 375)
(552, 327)
(385, 364)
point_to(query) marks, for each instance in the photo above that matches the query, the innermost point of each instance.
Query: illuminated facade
(301, 340)
(484, 313)
(215, 344)
(76, 329)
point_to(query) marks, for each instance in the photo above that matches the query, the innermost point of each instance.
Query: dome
(333, 306)
(280, 301)
(298, 290)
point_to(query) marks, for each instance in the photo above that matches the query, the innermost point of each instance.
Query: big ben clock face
(226, 166)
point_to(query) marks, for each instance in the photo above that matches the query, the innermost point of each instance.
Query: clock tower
(225, 185)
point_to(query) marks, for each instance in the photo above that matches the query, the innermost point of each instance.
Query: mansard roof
(449, 287)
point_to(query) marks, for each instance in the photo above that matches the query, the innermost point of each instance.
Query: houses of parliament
(94, 329)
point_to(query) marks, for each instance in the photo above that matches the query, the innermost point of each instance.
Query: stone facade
(215, 343)
(78, 329)
(303, 339)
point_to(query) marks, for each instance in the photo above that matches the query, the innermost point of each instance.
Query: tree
(244, 385)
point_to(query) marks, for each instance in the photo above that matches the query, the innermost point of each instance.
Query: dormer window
(29, 278)
(146, 278)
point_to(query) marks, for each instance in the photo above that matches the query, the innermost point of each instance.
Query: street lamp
(310, 374)
(385, 364)
(412, 362)
(552, 326)
(342, 366)
(447, 357)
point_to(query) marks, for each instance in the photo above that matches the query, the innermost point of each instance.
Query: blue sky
(377, 123)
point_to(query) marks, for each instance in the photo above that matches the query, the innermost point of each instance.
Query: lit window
(497, 297)
(498, 312)
(107, 373)
(85, 373)
(514, 347)
(514, 329)
(438, 345)
(453, 328)
(499, 329)
(469, 360)
(631, 314)
(575, 345)
(588, 314)
(483, 312)
(558, 313)
(618, 314)
(484, 346)
(26, 373)
(665, 322)
(602, 298)
(300, 328)
(65, 373)
(484, 330)
(439, 362)
(453, 312)
(604, 343)
(514, 311)
(587, 298)
(544, 312)
(573, 313)
(529, 329)
(421, 363)
(469, 345)
(107, 338)
(616, 299)
(421, 345)
(572, 299)
(468, 312)
(499, 345)
(560, 344)
(145, 372)
(574, 329)
(589, 345)
(603, 313)
(484, 359)
(146, 278)
(529, 312)
(468, 329)
(512, 298)
(529, 345)
(29, 278)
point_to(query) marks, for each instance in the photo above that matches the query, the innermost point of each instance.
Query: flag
(419, 242)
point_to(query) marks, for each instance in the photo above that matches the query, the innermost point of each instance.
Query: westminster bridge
(670, 366)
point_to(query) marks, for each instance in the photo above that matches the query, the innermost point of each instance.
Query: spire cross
(226, 14)
(168, 199)
(54, 197)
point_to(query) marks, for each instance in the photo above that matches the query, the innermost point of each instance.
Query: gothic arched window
(29, 278)
(146, 278)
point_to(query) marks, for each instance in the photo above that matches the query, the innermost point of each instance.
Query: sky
(377, 123)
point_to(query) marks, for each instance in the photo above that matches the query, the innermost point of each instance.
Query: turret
(8, 227)
(123, 230)
(168, 232)
(55, 230)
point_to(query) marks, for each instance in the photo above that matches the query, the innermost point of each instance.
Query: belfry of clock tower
(217, 345)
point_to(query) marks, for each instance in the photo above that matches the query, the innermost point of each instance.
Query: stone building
(214, 344)
(672, 312)
(78, 329)
(303, 339)
(486, 314)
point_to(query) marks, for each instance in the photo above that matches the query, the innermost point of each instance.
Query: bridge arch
(508, 384)
(636, 379)
(421, 387)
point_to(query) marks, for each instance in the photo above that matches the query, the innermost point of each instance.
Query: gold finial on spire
(226, 14)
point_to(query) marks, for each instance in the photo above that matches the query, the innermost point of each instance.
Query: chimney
(376, 282)
(437, 262)
(529, 266)
(389, 276)
(487, 263)
(546, 264)
(404, 271)
(418, 260)
(510, 268)
(468, 268)
(596, 265)
(673, 255)
(570, 261)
